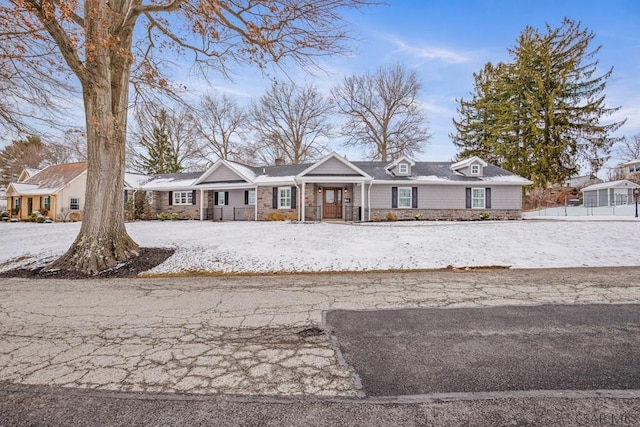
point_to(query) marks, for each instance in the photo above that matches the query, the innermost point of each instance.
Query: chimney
(279, 161)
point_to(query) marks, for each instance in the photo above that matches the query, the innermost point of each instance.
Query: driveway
(242, 335)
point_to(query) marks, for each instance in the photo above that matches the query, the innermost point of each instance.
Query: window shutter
(468, 197)
(414, 197)
(487, 198)
(246, 197)
(170, 198)
(215, 198)
(293, 197)
(394, 197)
(193, 197)
(126, 197)
(275, 197)
(226, 197)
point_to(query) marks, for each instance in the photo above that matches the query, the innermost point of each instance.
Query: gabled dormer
(471, 167)
(401, 166)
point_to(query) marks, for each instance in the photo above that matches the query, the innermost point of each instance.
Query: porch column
(362, 201)
(201, 205)
(303, 201)
(255, 203)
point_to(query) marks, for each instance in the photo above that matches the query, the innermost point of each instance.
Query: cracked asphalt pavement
(242, 335)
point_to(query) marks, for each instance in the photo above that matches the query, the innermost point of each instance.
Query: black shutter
(215, 198)
(394, 197)
(468, 197)
(246, 197)
(126, 197)
(293, 197)
(487, 198)
(170, 198)
(193, 197)
(226, 197)
(414, 197)
(275, 197)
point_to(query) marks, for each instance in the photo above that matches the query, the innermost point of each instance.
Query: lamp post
(636, 194)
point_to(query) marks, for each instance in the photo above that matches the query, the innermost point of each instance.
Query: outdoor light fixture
(319, 190)
(345, 190)
(636, 194)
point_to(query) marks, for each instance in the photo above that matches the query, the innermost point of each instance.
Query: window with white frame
(46, 202)
(284, 197)
(403, 168)
(221, 198)
(182, 198)
(17, 203)
(404, 197)
(251, 197)
(74, 203)
(148, 195)
(477, 198)
(475, 169)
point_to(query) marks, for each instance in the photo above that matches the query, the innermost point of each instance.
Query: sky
(600, 240)
(445, 42)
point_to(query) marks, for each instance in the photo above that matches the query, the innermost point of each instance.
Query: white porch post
(303, 201)
(255, 204)
(362, 201)
(201, 205)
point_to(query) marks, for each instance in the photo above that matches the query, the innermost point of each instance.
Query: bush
(276, 216)
(485, 215)
(163, 216)
(391, 216)
(40, 219)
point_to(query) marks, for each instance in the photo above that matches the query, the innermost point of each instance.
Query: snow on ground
(264, 247)
(580, 213)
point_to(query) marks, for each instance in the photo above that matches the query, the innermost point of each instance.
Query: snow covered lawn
(264, 247)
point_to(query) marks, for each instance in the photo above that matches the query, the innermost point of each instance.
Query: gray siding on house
(234, 209)
(506, 197)
(602, 198)
(442, 197)
(333, 167)
(223, 174)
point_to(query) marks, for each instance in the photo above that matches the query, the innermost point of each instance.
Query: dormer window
(403, 169)
(475, 169)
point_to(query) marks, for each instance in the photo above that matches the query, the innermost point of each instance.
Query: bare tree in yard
(291, 123)
(97, 42)
(629, 148)
(221, 124)
(383, 113)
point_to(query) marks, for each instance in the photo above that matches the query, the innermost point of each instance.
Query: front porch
(332, 201)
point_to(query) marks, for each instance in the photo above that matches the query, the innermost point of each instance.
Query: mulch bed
(148, 258)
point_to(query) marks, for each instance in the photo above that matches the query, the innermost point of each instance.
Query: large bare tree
(383, 114)
(221, 124)
(97, 41)
(291, 123)
(629, 148)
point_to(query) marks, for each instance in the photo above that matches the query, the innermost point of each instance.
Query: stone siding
(446, 214)
(264, 199)
(161, 205)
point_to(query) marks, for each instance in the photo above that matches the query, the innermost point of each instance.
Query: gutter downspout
(201, 204)
(369, 202)
(303, 201)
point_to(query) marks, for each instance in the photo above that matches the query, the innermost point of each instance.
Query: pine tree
(160, 157)
(540, 115)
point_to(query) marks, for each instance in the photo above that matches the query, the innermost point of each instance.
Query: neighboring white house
(3, 199)
(612, 193)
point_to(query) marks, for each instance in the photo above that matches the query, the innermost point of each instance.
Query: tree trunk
(103, 241)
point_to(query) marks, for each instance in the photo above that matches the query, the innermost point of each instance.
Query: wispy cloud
(427, 52)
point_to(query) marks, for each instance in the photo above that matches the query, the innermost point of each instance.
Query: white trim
(281, 206)
(206, 174)
(468, 162)
(484, 198)
(410, 198)
(398, 161)
(201, 205)
(334, 155)
(189, 194)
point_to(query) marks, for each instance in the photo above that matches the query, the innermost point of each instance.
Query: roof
(172, 181)
(623, 183)
(135, 180)
(582, 181)
(54, 177)
(631, 162)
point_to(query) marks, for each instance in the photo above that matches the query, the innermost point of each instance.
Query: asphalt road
(549, 347)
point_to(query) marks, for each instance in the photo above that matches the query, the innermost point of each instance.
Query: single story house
(56, 191)
(335, 188)
(612, 193)
(3, 199)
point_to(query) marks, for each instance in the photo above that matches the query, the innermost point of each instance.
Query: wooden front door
(332, 203)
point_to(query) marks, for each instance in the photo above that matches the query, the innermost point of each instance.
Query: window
(46, 203)
(74, 203)
(475, 169)
(221, 198)
(284, 197)
(148, 195)
(477, 198)
(404, 197)
(251, 197)
(403, 168)
(182, 198)
(17, 203)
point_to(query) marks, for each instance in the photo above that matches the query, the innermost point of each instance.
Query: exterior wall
(264, 199)
(504, 197)
(223, 174)
(312, 201)
(77, 188)
(333, 166)
(234, 210)
(161, 205)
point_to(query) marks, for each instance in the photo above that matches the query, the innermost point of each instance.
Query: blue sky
(446, 42)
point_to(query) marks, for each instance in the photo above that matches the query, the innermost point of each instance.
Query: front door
(332, 203)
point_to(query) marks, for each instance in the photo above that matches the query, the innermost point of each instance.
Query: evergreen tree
(160, 156)
(540, 115)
